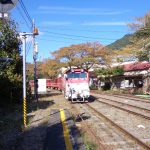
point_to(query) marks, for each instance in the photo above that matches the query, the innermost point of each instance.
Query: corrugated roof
(137, 66)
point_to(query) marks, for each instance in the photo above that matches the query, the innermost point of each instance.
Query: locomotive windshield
(76, 75)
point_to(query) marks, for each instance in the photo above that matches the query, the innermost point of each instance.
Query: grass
(90, 146)
(89, 143)
(142, 95)
(8, 124)
(113, 91)
(11, 123)
(10, 117)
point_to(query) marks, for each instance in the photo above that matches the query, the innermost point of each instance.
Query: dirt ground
(15, 137)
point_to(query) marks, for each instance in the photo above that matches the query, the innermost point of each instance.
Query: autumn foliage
(50, 68)
(80, 55)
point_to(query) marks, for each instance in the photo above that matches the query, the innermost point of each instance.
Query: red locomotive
(74, 83)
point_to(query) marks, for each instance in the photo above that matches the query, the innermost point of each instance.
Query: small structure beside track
(136, 79)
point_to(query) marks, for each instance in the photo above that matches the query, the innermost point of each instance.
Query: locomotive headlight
(86, 93)
(73, 91)
(82, 94)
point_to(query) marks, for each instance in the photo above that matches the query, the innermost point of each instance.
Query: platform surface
(62, 133)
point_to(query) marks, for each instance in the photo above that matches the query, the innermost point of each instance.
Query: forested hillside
(124, 41)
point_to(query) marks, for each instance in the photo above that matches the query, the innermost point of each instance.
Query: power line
(23, 18)
(57, 36)
(43, 39)
(25, 11)
(59, 41)
(29, 47)
(70, 38)
(81, 36)
(111, 31)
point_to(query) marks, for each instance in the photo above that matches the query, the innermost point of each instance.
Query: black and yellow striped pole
(24, 81)
(24, 113)
(24, 34)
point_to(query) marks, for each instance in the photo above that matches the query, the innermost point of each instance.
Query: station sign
(7, 5)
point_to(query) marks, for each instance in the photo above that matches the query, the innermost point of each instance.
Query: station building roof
(136, 66)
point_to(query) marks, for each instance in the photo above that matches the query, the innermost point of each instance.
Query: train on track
(74, 84)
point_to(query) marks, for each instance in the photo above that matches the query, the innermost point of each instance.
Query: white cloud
(55, 23)
(41, 33)
(104, 23)
(78, 11)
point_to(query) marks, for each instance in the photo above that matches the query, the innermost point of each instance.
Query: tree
(144, 30)
(80, 55)
(11, 75)
(142, 55)
(108, 72)
(142, 23)
(51, 68)
(128, 51)
(39, 70)
(142, 36)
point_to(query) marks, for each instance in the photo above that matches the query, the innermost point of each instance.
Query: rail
(127, 110)
(131, 136)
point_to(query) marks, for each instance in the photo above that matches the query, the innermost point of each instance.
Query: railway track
(125, 96)
(124, 109)
(131, 136)
(133, 106)
(126, 132)
(132, 98)
(104, 134)
(89, 130)
(124, 128)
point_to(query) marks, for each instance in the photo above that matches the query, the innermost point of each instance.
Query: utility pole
(24, 79)
(24, 35)
(35, 74)
(35, 52)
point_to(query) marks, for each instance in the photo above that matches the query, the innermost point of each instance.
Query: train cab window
(82, 75)
(77, 75)
(70, 75)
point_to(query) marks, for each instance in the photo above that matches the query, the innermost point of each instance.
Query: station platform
(62, 133)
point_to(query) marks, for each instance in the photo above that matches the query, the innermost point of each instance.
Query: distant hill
(125, 40)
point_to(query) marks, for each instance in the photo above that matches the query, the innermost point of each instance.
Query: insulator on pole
(36, 32)
(36, 47)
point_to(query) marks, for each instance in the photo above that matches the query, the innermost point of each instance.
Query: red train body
(54, 83)
(74, 84)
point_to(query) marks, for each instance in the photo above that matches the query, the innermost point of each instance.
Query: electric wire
(23, 18)
(110, 31)
(62, 37)
(59, 41)
(28, 48)
(79, 39)
(29, 20)
(44, 39)
(81, 36)
(25, 10)
(26, 14)
(55, 33)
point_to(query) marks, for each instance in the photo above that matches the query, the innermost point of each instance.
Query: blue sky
(65, 22)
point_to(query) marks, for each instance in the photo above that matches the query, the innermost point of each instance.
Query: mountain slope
(125, 40)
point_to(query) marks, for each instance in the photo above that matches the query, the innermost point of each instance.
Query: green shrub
(11, 75)
(93, 87)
